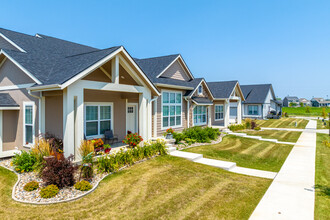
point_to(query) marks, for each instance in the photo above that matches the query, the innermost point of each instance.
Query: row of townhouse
(294, 101)
(49, 85)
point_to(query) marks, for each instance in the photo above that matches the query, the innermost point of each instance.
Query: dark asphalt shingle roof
(201, 100)
(222, 89)
(52, 60)
(291, 97)
(7, 101)
(255, 94)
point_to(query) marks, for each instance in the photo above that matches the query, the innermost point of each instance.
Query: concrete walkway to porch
(291, 195)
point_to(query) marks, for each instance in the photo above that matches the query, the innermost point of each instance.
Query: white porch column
(239, 111)
(142, 116)
(42, 114)
(149, 121)
(209, 116)
(227, 111)
(155, 117)
(115, 70)
(1, 149)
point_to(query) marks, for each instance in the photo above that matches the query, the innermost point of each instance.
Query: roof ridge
(16, 32)
(158, 57)
(223, 81)
(98, 50)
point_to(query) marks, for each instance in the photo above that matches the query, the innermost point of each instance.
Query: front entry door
(131, 117)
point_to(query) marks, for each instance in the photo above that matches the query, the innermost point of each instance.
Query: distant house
(290, 99)
(320, 102)
(260, 101)
(306, 102)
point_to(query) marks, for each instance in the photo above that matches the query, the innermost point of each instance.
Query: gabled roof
(256, 94)
(201, 101)
(7, 101)
(222, 89)
(291, 97)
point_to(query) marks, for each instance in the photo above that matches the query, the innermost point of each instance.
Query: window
(172, 104)
(253, 110)
(218, 111)
(98, 119)
(28, 123)
(200, 115)
(200, 90)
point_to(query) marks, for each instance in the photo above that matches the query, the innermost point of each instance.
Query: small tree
(291, 104)
(301, 104)
(308, 109)
(324, 113)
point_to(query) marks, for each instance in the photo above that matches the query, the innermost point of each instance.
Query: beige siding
(220, 122)
(10, 129)
(125, 77)
(97, 75)
(175, 71)
(54, 113)
(10, 75)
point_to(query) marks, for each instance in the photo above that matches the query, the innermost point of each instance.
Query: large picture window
(200, 115)
(172, 107)
(98, 118)
(28, 123)
(218, 111)
(253, 110)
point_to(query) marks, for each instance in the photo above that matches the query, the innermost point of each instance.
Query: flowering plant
(170, 131)
(132, 139)
(97, 142)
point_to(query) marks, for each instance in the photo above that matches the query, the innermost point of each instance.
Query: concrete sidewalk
(291, 195)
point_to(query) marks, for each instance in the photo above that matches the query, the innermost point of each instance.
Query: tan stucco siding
(10, 75)
(125, 77)
(175, 71)
(13, 121)
(54, 115)
(119, 105)
(213, 121)
(98, 75)
(160, 131)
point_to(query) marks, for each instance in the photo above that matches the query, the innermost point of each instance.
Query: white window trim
(98, 120)
(193, 118)
(223, 112)
(33, 123)
(248, 112)
(161, 99)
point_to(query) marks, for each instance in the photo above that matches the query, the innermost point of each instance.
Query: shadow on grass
(323, 190)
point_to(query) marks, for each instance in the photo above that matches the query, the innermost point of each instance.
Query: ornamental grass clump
(31, 186)
(86, 147)
(83, 185)
(49, 191)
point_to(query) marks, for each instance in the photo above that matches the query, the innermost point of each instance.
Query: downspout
(39, 108)
(155, 115)
(188, 112)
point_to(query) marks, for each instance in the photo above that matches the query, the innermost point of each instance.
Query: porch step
(217, 163)
(171, 149)
(187, 155)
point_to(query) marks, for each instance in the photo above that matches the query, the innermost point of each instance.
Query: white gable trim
(240, 91)
(185, 67)
(19, 86)
(206, 86)
(12, 43)
(21, 67)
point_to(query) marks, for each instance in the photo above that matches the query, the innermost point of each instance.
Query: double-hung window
(253, 110)
(218, 110)
(28, 123)
(200, 90)
(98, 119)
(199, 115)
(171, 108)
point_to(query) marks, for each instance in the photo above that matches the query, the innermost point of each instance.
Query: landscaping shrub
(237, 127)
(132, 139)
(253, 124)
(86, 169)
(59, 171)
(197, 133)
(49, 191)
(178, 137)
(301, 104)
(31, 186)
(55, 142)
(308, 109)
(85, 148)
(111, 163)
(41, 149)
(24, 162)
(190, 141)
(257, 128)
(248, 122)
(83, 185)
(324, 113)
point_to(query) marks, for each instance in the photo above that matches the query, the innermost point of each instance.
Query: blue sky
(286, 43)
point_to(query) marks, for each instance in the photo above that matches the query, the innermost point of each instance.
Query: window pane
(105, 112)
(92, 128)
(172, 121)
(199, 110)
(104, 125)
(203, 118)
(172, 110)
(28, 134)
(165, 97)
(165, 121)
(195, 110)
(178, 98)
(91, 113)
(165, 111)
(172, 97)
(28, 114)
(178, 120)
(221, 108)
(195, 119)
(178, 110)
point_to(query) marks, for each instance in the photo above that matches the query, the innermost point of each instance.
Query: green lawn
(162, 188)
(246, 152)
(283, 123)
(322, 178)
(320, 124)
(287, 136)
(301, 111)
